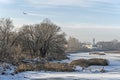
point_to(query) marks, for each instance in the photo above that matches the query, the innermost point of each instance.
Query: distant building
(93, 41)
(94, 45)
(108, 45)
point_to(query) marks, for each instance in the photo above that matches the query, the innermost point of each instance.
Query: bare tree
(6, 28)
(43, 38)
(73, 45)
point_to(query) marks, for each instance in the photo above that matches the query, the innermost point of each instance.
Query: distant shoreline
(116, 52)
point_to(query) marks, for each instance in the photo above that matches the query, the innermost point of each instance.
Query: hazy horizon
(83, 19)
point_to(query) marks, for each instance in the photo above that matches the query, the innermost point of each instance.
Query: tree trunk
(42, 52)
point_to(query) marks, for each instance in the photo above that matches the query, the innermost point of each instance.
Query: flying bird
(24, 13)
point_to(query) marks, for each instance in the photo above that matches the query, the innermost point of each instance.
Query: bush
(90, 62)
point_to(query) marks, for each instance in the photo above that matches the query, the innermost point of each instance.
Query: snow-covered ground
(113, 70)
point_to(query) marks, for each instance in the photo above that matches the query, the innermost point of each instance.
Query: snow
(65, 75)
(74, 75)
(112, 71)
(6, 68)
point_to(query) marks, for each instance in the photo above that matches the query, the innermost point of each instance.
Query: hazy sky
(84, 19)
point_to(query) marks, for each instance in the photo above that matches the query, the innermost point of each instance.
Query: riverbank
(113, 69)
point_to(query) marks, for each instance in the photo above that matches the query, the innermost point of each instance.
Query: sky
(83, 19)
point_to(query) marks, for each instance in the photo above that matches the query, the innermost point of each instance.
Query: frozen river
(113, 70)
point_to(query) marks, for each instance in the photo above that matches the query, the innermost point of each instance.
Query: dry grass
(58, 67)
(96, 53)
(96, 61)
(90, 62)
(52, 66)
(80, 62)
(29, 67)
(49, 66)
